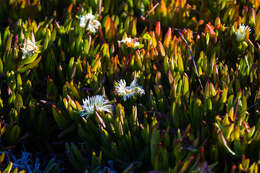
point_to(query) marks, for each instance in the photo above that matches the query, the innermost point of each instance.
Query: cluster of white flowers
(127, 91)
(241, 32)
(129, 42)
(29, 48)
(95, 103)
(90, 21)
(100, 104)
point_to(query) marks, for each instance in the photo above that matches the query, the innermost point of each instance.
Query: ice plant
(241, 32)
(129, 42)
(127, 91)
(90, 21)
(29, 47)
(95, 103)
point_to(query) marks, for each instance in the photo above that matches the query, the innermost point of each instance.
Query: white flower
(29, 48)
(126, 40)
(241, 32)
(95, 103)
(136, 44)
(129, 42)
(84, 19)
(90, 16)
(90, 21)
(93, 26)
(127, 91)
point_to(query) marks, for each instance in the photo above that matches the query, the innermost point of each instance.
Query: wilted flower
(129, 42)
(128, 91)
(29, 47)
(89, 19)
(95, 103)
(241, 32)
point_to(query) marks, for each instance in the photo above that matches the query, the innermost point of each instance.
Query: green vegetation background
(200, 111)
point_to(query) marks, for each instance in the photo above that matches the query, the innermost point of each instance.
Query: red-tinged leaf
(218, 23)
(225, 144)
(158, 29)
(210, 29)
(57, 24)
(101, 120)
(70, 8)
(161, 49)
(154, 67)
(246, 126)
(107, 24)
(65, 103)
(168, 38)
(183, 3)
(163, 8)
(112, 30)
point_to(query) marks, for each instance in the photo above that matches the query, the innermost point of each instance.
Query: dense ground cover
(129, 86)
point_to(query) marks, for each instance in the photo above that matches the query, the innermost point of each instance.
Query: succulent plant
(64, 92)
